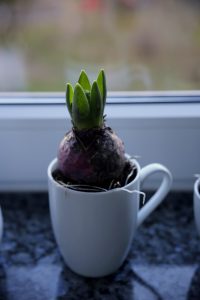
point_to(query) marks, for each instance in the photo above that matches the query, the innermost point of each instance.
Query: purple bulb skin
(91, 156)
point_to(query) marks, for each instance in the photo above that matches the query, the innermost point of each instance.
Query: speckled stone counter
(163, 263)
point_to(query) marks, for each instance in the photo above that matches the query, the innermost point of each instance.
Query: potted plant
(94, 186)
(196, 196)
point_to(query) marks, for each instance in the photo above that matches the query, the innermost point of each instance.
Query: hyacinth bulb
(90, 153)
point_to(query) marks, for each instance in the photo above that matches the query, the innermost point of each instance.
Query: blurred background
(141, 44)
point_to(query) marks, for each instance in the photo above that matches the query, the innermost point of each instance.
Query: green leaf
(84, 81)
(101, 81)
(80, 108)
(69, 97)
(96, 105)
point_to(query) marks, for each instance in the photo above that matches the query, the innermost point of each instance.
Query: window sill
(151, 125)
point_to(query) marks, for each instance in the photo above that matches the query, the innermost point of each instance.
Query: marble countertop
(163, 263)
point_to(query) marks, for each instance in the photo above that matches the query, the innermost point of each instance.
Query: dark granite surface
(163, 263)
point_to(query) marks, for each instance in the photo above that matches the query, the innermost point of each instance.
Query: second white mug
(197, 204)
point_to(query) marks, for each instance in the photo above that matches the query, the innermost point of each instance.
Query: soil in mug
(129, 173)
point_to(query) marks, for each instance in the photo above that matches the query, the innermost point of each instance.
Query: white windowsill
(31, 126)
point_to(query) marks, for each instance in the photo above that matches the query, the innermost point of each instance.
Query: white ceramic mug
(197, 203)
(94, 230)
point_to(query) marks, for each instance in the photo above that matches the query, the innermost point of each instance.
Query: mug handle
(161, 192)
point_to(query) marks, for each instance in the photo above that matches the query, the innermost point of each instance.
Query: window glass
(141, 44)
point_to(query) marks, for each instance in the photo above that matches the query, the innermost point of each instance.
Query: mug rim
(196, 188)
(54, 163)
